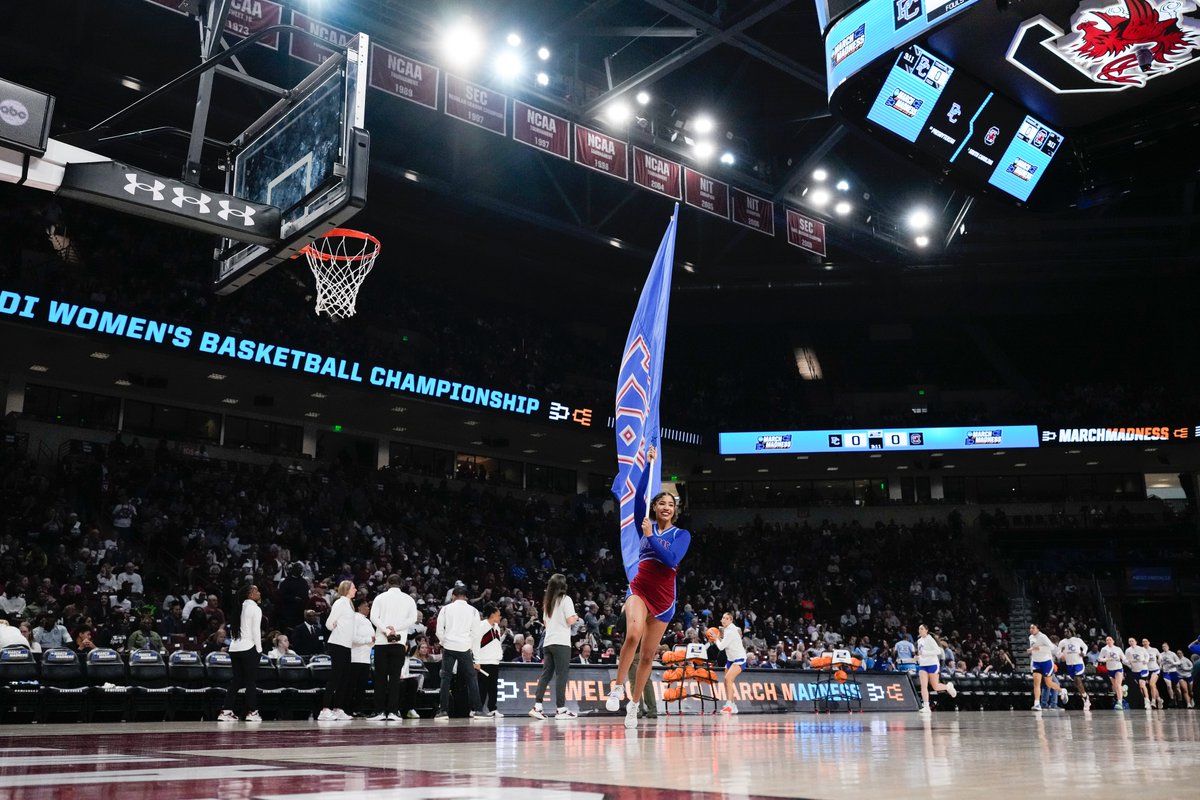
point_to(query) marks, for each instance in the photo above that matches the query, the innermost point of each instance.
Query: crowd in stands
(143, 548)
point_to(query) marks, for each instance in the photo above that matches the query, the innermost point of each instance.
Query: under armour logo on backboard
(245, 212)
(181, 197)
(134, 186)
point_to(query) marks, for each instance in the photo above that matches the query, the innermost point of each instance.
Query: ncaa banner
(400, 76)
(764, 691)
(245, 18)
(639, 387)
(657, 174)
(306, 49)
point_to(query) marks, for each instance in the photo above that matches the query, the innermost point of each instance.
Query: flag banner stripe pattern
(639, 385)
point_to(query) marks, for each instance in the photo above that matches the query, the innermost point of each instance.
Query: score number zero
(559, 413)
(876, 441)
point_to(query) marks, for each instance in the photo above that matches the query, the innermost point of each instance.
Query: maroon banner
(705, 193)
(404, 77)
(656, 173)
(805, 233)
(601, 152)
(246, 18)
(542, 130)
(756, 213)
(306, 49)
(476, 104)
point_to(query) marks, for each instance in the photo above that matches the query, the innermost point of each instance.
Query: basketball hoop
(340, 261)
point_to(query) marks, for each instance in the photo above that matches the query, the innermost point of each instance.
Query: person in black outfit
(308, 638)
(293, 597)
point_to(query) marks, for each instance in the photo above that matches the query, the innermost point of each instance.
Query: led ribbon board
(977, 437)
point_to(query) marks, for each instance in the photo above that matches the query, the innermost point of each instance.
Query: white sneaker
(253, 716)
(565, 713)
(395, 717)
(380, 717)
(411, 714)
(1087, 703)
(341, 716)
(950, 690)
(441, 716)
(326, 715)
(925, 710)
(1037, 707)
(1062, 695)
(227, 716)
(631, 709)
(1148, 705)
(537, 713)
(613, 703)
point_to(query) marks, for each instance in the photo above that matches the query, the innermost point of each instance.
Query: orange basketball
(840, 676)
(713, 634)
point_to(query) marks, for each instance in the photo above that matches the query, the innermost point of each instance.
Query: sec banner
(759, 691)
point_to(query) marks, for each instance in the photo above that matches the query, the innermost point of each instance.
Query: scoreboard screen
(959, 121)
(978, 437)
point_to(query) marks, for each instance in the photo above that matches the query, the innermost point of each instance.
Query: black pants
(487, 685)
(359, 675)
(556, 663)
(245, 676)
(389, 663)
(338, 686)
(466, 670)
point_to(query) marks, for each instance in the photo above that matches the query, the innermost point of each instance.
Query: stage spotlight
(843, 186)
(704, 150)
(544, 53)
(703, 124)
(819, 197)
(508, 65)
(727, 158)
(820, 174)
(919, 219)
(922, 241)
(643, 97)
(462, 44)
(842, 208)
(513, 39)
(543, 79)
(618, 112)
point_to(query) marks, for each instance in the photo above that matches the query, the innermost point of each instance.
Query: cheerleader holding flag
(651, 545)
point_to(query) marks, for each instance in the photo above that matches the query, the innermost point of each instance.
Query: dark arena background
(930, 360)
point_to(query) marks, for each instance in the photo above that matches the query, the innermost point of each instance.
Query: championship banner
(705, 193)
(657, 174)
(805, 232)
(752, 211)
(601, 152)
(476, 105)
(758, 691)
(245, 18)
(400, 76)
(542, 130)
(639, 388)
(306, 49)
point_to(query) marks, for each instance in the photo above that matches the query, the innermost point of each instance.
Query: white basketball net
(340, 261)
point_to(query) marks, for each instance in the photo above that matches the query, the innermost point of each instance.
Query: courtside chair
(21, 693)
(65, 697)
(149, 694)
(218, 669)
(189, 694)
(108, 677)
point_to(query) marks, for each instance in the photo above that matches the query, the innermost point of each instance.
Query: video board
(978, 437)
(877, 27)
(953, 117)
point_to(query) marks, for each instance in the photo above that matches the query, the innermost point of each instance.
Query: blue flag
(639, 386)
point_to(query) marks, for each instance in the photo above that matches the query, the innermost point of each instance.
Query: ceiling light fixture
(819, 197)
(100, 355)
(843, 208)
(820, 174)
(216, 376)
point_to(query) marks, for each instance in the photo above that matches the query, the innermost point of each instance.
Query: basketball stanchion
(340, 261)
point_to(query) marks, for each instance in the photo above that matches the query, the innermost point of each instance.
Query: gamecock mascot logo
(1110, 46)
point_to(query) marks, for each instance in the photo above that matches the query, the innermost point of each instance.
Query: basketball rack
(837, 686)
(689, 672)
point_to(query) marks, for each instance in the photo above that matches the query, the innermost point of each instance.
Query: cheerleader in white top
(1185, 679)
(1139, 668)
(1071, 650)
(1114, 664)
(1170, 671)
(929, 656)
(1041, 662)
(1154, 670)
(729, 639)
